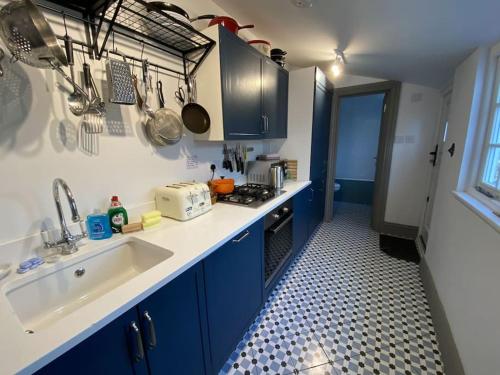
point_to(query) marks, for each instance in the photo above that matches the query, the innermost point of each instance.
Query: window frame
(490, 194)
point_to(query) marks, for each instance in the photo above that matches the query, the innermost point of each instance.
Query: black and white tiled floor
(343, 307)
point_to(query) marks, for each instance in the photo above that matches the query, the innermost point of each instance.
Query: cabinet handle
(312, 194)
(245, 235)
(151, 331)
(263, 124)
(246, 134)
(267, 124)
(138, 351)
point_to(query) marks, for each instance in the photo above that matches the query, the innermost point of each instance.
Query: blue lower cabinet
(173, 333)
(234, 286)
(115, 349)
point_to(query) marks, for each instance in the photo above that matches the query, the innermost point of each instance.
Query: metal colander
(28, 36)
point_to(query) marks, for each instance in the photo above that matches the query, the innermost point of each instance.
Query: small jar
(98, 226)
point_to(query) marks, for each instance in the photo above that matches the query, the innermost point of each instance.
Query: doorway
(435, 159)
(358, 132)
(390, 92)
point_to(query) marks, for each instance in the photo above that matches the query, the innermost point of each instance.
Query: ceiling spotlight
(338, 63)
(303, 3)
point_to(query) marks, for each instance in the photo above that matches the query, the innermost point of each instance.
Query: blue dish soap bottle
(98, 226)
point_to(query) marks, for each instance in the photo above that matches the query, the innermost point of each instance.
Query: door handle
(282, 225)
(245, 235)
(138, 349)
(434, 156)
(151, 331)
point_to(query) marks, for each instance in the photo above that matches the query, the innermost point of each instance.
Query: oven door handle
(282, 225)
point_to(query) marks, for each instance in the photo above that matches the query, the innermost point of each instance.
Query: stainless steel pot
(276, 177)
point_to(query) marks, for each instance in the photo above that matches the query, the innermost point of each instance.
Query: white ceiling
(418, 41)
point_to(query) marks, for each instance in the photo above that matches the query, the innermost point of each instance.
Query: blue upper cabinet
(241, 88)
(234, 285)
(245, 93)
(173, 326)
(274, 99)
(115, 349)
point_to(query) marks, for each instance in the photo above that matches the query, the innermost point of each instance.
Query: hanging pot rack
(138, 21)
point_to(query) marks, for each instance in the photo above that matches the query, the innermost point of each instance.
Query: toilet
(337, 186)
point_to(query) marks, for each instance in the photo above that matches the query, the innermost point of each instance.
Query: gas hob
(250, 195)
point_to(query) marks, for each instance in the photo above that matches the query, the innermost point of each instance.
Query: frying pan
(194, 116)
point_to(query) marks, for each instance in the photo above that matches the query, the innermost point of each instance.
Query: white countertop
(189, 241)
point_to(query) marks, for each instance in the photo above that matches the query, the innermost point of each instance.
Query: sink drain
(29, 332)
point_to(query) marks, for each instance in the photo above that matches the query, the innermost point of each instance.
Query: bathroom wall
(41, 140)
(357, 144)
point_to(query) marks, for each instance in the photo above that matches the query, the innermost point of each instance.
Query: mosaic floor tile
(343, 307)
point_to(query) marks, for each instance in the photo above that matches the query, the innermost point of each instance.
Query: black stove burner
(248, 195)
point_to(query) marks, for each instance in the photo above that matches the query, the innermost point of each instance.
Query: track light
(338, 63)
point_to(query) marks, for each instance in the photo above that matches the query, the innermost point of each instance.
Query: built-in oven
(278, 245)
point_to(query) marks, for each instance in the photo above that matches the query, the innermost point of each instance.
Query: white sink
(42, 302)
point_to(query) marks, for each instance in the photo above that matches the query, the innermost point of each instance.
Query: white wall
(297, 146)
(357, 137)
(345, 80)
(418, 118)
(40, 140)
(463, 252)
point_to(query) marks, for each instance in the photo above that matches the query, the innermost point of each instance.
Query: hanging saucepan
(202, 22)
(194, 116)
(229, 23)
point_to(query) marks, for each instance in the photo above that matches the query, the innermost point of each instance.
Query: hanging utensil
(121, 89)
(194, 116)
(164, 126)
(93, 117)
(28, 35)
(77, 103)
(30, 39)
(167, 122)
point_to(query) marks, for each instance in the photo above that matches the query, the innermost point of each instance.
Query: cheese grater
(121, 89)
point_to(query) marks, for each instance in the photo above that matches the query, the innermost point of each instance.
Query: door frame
(392, 89)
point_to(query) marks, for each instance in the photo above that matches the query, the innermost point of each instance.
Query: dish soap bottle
(117, 215)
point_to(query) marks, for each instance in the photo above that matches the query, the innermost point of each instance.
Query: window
(489, 174)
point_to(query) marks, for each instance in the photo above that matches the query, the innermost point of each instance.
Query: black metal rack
(144, 23)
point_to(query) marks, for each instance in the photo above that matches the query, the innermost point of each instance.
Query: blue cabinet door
(301, 217)
(174, 334)
(274, 99)
(319, 151)
(115, 349)
(241, 88)
(234, 285)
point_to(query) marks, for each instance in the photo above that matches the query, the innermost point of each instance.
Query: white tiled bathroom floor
(343, 307)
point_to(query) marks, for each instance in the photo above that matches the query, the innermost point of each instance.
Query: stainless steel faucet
(67, 244)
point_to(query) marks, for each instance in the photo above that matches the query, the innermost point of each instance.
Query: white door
(435, 156)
